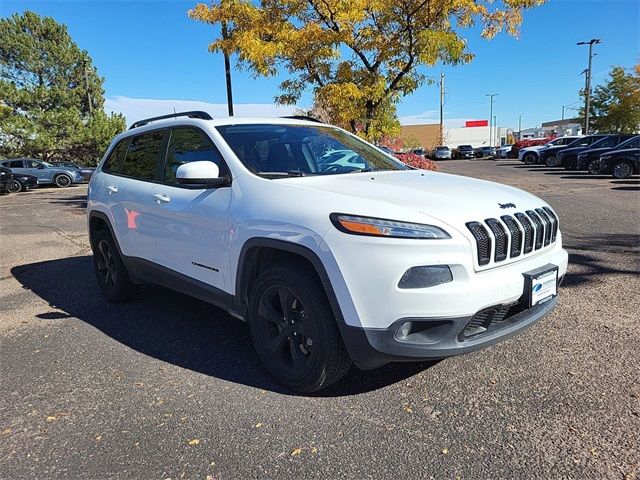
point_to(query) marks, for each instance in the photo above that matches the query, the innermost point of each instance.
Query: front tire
(622, 169)
(112, 276)
(594, 167)
(63, 181)
(15, 187)
(552, 161)
(529, 158)
(294, 330)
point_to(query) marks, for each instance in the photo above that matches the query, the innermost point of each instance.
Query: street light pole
(587, 102)
(520, 127)
(227, 72)
(491, 95)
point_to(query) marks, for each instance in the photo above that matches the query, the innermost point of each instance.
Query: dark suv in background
(464, 151)
(568, 158)
(623, 161)
(589, 159)
(549, 156)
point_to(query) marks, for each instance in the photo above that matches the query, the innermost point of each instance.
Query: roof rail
(192, 114)
(303, 117)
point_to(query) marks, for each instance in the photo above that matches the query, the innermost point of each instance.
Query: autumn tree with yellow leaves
(359, 57)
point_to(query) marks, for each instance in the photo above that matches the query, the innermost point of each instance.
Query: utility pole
(520, 127)
(495, 129)
(491, 95)
(227, 72)
(441, 108)
(587, 105)
(86, 86)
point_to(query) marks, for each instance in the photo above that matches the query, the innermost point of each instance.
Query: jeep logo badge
(507, 205)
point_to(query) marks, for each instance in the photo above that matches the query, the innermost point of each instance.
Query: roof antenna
(174, 112)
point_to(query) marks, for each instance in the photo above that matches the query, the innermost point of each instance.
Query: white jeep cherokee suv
(330, 263)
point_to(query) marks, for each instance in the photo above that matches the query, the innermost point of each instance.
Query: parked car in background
(568, 158)
(622, 162)
(589, 159)
(442, 153)
(86, 171)
(549, 156)
(6, 180)
(464, 151)
(418, 151)
(485, 152)
(531, 155)
(45, 172)
(503, 151)
(23, 182)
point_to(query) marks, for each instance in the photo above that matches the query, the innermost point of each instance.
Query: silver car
(45, 172)
(442, 153)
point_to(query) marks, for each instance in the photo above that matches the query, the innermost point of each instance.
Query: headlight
(379, 227)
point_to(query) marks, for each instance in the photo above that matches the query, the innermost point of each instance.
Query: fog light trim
(425, 276)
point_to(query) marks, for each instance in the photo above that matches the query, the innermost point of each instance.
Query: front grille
(515, 235)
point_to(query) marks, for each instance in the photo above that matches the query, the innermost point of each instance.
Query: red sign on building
(476, 123)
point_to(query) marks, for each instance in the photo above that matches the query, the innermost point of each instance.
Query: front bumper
(435, 338)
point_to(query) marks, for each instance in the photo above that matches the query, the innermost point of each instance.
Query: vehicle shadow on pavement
(582, 253)
(176, 328)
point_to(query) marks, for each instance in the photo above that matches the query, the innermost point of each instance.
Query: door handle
(112, 189)
(161, 198)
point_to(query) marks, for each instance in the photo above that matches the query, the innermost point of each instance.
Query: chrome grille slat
(513, 236)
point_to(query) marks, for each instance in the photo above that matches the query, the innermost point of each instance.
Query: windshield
(47, 164)
(605, 142)
(442, 148)
(299, 150)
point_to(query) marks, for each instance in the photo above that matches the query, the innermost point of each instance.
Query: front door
(193, 229)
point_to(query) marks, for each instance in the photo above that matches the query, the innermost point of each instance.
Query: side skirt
(146, 271)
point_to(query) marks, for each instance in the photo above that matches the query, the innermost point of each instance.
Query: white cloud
(139, 108)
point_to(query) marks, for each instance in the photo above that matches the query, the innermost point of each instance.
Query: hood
(452, 199)
(574, 150)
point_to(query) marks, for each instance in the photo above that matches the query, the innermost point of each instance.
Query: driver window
(32, 164)
(190, 145)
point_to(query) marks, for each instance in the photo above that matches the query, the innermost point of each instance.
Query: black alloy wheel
(594, 167)
(622, 169)
(15, 186)
(112, 276)
(529, 158)
(62, 181)
(294, 330)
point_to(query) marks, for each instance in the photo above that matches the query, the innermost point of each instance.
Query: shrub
(417, 161)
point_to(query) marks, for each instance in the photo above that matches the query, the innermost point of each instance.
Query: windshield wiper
(358, 170)
(290, 173)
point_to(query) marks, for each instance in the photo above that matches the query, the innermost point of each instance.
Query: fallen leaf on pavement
(296, 451)
(6, 431)
(195, 441)
(51, 418)
(445, 451)
(258, 425)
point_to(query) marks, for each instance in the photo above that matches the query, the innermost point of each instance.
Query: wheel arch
(258, 253)
(100, 221)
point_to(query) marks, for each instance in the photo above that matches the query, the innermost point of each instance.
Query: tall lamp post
(520, 127)
(587, 101)
(491, 95)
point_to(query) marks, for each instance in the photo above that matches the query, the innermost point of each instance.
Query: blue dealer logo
(537, 287)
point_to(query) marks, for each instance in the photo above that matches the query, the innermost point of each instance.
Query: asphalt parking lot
(170, 387)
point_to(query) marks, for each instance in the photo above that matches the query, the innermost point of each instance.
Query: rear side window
(14, 164)
(115, 158)
(190, 145)
(143, 155)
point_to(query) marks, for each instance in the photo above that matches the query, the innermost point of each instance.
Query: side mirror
(204, 174)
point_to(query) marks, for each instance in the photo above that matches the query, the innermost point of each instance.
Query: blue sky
(151, 50)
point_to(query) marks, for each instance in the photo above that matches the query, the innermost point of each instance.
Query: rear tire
(62, 181)
(111, 274)
(294, 330)
(622, 169)
(552, 161)
(594, 167)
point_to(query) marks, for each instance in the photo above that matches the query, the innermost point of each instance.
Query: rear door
(38, 169)
(193, 235)
(131, 190)
(16, 166)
